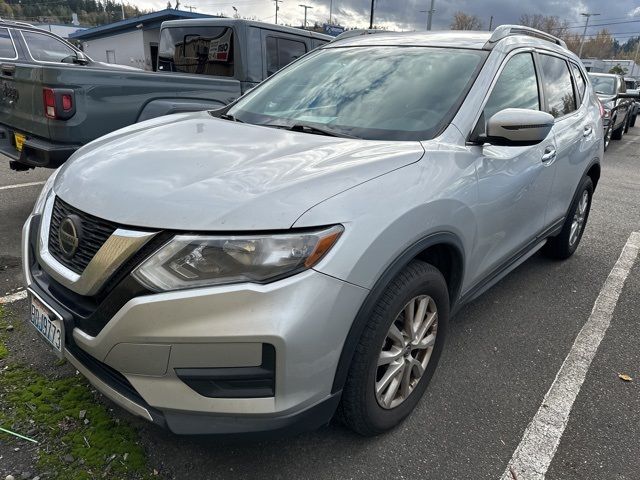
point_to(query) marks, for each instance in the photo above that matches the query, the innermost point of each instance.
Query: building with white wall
(133, 41)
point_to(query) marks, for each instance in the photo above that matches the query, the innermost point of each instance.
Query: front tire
(565, 244)
(398, 351)
(619, 132)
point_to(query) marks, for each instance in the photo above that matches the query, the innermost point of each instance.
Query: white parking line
(538, 446)
(19, 185)
(14, 297)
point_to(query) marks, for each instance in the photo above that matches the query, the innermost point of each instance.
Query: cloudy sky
(405, 14)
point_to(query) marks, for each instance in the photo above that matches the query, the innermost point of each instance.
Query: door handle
(8, 70)
(587, 131)
(549, 155)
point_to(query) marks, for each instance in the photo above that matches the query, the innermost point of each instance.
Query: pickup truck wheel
(619, 132)
(565, 244)
(632, 123)
(398, 351)
(626, 124)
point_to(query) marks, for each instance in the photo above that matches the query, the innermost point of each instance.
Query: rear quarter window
(197, 50)
(7, 49)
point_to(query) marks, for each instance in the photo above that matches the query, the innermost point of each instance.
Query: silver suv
(302, 251)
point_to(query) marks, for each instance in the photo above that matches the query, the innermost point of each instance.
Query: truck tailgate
(21, 106)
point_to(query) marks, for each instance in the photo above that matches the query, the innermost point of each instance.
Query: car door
(513, 182)
(574, 132)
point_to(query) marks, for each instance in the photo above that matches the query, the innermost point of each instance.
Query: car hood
(195, 172)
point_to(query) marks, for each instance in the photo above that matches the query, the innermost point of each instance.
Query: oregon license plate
(20, 138)
(48, 324)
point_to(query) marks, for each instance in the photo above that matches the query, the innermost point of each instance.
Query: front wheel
(619, 132)
(398, 351)
(565, 244)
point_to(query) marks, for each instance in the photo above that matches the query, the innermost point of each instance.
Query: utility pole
(306, 7)
(635, 59)
(431, 11)
(373, 3)
(330, 12)
(277, 8)
(191, 8)
(491, 23)
(584, 34)
(122, 8)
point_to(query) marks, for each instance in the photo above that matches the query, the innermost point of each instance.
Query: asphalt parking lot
(503, 355)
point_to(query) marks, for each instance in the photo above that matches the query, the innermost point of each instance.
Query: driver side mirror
(635, 94)
(81, 58)
(518, 127)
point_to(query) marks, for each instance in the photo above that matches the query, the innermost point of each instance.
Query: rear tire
(607, 138)
(566, 242)
(632, 123)
(386, 357)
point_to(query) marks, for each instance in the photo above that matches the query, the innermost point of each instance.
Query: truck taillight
(49, 103)
(58, 103)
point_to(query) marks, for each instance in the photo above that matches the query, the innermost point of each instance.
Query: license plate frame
(19, 139)
(48, 323)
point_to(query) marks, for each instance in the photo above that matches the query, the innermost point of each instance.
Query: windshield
(604, 85)
(377, 93)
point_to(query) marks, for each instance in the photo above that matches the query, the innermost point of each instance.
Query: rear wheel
(632, 123)
(567, 241)
(398, 351)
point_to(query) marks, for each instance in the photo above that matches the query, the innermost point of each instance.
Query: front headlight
(44, 193)
(190, 261)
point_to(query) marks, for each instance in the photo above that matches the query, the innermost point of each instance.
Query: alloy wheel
(578, 219)
(607, 137)
(406, 351)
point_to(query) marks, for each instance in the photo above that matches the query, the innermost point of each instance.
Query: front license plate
(48, 324)
(19, 140)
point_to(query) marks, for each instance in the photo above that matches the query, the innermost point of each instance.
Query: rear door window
(45, 48)
(7, 49)
(558, 88)
(197, 50)
(517, 87)
(281, 52)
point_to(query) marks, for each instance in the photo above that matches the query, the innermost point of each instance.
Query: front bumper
(142, 356)
(36, 152)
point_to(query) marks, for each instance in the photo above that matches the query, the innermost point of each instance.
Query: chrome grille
(95, 232)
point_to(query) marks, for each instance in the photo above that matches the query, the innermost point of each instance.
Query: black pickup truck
(54, 98)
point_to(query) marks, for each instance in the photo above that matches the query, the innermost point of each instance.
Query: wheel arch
(443, 250)
(593, 172)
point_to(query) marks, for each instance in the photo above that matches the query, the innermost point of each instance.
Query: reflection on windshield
(604, 85)
(393, 93)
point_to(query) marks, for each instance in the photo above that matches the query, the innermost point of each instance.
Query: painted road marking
(540, 441)
(19, 185)
(14, 297)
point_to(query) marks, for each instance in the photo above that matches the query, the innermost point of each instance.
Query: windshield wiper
(227, 116)
(305, 128)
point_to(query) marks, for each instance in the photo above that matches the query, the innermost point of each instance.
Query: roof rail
(15, 22)
(504, 31)
(358, 32)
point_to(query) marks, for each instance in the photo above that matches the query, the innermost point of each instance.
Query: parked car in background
(303, 249)
(633, 86)
(54, 98)
(611, 90)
